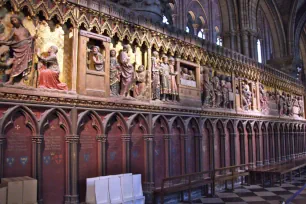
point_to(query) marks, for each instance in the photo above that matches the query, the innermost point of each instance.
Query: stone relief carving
(173, 73)
(217, 90)
(127, 72)
(49, 70)
(246, 96)
(263, 99)
(20, 43)
(97, 59)
(165, 79)
(155, 76)
(141, 81)
(114, 74)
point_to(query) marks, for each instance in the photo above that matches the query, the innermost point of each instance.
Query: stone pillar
(149, 53)
(271, 146)
(149, 151)
(75, 53)
(102, 139)
(239, 42)
(126, 145)
(266, 150)
(232, 149)
(277, 145)
(283, 145)
(222, 144)
(2, 143)
(149, 167)
(252, 46)
(289, 145)
(184, 138)
(73, 141)
(245, 43)
(250, 148)
(37, 142)
(292, 136)
(167, 154)
(257, 141)
(199, 155)
(304, 142)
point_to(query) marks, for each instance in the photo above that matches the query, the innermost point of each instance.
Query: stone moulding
(69, 100)
(117, 20)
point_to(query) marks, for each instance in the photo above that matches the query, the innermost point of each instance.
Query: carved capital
(148, 137)
(38, 139)
(101, 138)
(167, 137)
(126, 138)
(72, 139)
(2, 139)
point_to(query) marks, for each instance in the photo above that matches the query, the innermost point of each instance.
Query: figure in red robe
(49, 71)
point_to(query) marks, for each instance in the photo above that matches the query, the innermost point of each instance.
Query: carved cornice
(16, 98)
(114, 20)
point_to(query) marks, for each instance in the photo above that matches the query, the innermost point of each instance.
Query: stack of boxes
(119, 189)
(18, 190)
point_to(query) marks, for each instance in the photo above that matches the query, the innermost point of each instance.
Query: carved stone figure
(263, 98)
(289, 103)
(191, 75)
(230, 92)
(141, 76)
(155, 76)
(165, 78)
(184, 74)
(49, 71)
(208, 95)
(217, 90)
(127, 72)
(174, 90)
(301, 106)
(225, 93)
(20, 43)
(114, 76)
(97, 59)
(246, 96)
(283, 104)
(4, 54)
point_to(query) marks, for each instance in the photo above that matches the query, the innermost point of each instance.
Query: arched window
(259, 51)
(165, 20)
(219, 41)
(201, 34)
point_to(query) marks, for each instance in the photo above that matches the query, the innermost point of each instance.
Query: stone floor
(257, 194)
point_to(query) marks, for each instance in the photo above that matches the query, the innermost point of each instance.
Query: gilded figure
(20, 42)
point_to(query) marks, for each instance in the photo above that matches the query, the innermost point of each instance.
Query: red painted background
(18, 151)
(114, 151)
(88, 159)
(54, 168)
